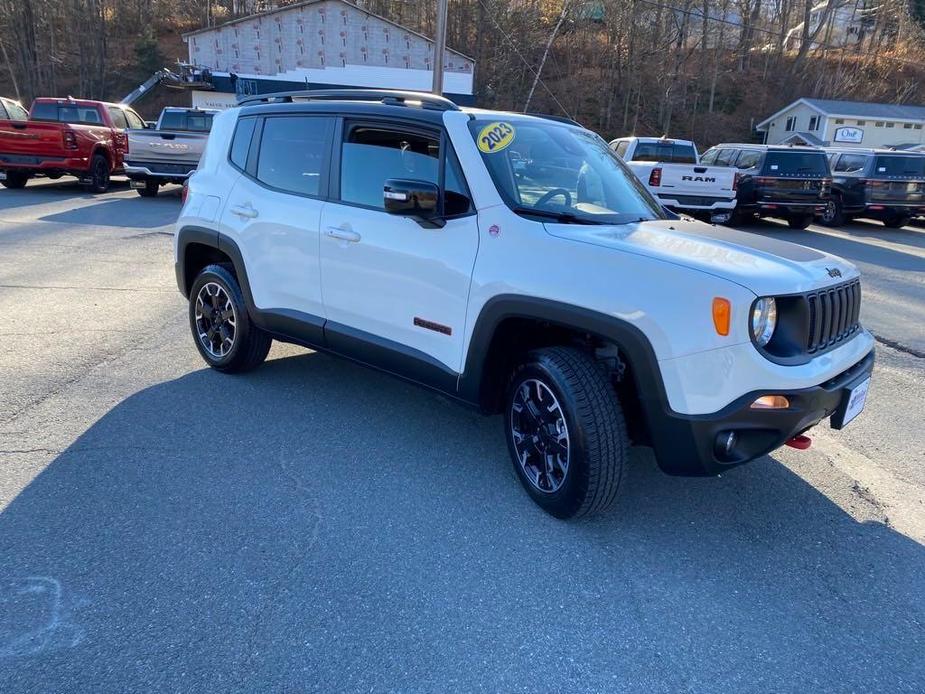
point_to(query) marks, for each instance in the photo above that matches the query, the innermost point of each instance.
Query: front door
(390, 284)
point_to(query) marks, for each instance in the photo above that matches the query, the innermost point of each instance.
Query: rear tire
(561, 395)
(741, 219)
(223, 332)
(150, 189)
(800, 222)
(895, 221)
(834, 214)
(15, 180)
(99, 174)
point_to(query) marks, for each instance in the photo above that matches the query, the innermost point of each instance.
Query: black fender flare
(189, 235)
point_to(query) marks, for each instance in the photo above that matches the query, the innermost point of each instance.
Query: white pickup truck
(169, 152)
(671, 171)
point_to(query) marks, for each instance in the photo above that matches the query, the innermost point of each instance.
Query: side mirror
(411, 198)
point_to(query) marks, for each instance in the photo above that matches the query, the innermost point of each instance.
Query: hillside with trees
(705, 69)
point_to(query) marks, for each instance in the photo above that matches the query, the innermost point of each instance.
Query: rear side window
(66, 113)
(899, 167)
(621, 148)
(15, 111)
(241, 142)
(666, 152)
(295, 152)
(118, 117)
(3, 114)
(725, 157)
(134, 120)
(373, 155)
(709, 156)
(796, 164)
(850, 163)
(748, 159)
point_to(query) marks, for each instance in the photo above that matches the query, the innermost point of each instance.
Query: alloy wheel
(540, 435)
(216, 320)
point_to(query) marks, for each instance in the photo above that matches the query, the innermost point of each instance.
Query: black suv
(781, 181)
(882, 184)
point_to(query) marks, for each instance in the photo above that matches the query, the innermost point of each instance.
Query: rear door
(274, 210)
(391, 285)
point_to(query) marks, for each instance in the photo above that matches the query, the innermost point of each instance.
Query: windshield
(665, 152)
(796, 164)
(560, 172)
(900, 166)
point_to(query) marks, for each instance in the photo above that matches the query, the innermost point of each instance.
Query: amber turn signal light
(771, 402)
(722, 310)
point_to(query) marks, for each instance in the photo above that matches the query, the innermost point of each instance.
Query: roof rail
(386, 96)
(558, 119)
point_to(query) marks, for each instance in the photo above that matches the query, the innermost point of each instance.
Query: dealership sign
(849, 135)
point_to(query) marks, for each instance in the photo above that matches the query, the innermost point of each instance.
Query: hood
(763, 265)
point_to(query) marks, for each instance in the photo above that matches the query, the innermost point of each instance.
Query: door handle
(245, 211)
(343, 234)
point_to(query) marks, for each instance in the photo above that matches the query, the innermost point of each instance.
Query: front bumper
(686, 444)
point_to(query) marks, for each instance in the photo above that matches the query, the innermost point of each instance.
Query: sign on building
(213, 100)
(853, 135)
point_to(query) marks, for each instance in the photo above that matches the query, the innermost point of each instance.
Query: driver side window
(372, 155)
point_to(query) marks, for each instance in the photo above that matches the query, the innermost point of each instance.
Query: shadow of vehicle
(144, 213)
(315, 525)
(907, 236)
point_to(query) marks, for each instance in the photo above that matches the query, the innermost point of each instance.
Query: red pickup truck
(66, 136)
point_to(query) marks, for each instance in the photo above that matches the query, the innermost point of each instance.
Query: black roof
(354, 108)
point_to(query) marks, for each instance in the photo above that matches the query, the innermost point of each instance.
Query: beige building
(826, 122)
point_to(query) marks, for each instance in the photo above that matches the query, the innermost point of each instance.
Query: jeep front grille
(833, 315)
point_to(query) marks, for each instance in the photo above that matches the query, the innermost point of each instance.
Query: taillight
(70, 140)
(764, 181)
(655, 178)
(735, 180)
(872, 184)
(184, 193)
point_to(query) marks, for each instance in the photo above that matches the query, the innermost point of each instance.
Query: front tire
(566, 433)
(834, 214)
(15, 180)
(222, 330)
(800, 222)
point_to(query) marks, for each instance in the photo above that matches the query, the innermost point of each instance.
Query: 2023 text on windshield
(561, 173)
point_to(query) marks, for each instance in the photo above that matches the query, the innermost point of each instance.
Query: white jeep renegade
(514, 263)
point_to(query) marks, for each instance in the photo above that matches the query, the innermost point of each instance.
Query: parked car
(12, 110)
(883, 184)
(66, 136)
(782, 181)
(170, 151)
(393, 228)
(673, 172)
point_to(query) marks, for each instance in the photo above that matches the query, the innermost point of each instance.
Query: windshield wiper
(563, 217)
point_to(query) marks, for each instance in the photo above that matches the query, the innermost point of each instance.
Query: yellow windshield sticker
(495, 136)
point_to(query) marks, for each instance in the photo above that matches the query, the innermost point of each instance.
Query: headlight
(764, 320)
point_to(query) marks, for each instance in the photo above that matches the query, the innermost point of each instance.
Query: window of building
(907, 126)
(814, 123)
(879, 123)
(294, 153)
(791, 124)
(862, 122)
(918, 126)
(890, 125)
(839, 121)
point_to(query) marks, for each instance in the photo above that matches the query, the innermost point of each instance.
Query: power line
(525, 62)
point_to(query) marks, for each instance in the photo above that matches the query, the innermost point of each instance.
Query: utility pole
(439, 47)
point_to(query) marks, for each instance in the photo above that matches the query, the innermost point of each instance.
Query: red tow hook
(801, 442)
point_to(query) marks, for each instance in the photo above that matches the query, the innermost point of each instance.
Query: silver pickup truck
(169, 152)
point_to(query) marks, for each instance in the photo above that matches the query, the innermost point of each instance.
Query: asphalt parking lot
(316, 526)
